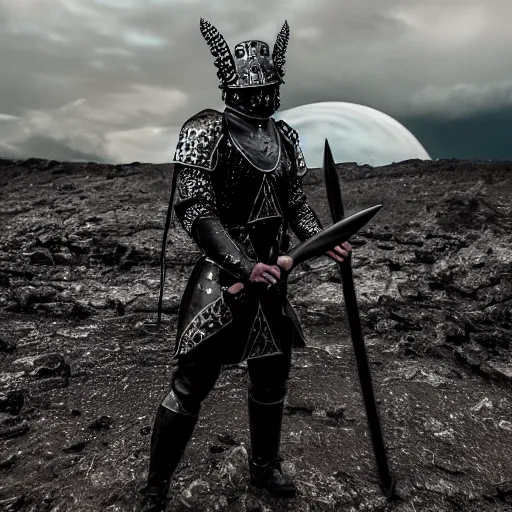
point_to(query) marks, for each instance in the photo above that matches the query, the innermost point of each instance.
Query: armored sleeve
(195, 159)
(302, 218)
(197, 213)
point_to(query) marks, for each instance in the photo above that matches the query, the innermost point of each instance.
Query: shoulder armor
(293, 138)
(198, 140)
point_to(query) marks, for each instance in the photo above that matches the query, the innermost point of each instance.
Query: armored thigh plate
(203, 312)
(172, 403)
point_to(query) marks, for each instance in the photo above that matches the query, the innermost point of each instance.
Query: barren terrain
(81, 373)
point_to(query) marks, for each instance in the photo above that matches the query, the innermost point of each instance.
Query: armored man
(238, 178)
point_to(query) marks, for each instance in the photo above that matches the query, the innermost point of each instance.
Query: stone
(41, 257)
(50, 365)
(12, 401)
(505, 425)
(7, 346)
(226, 439)
(454, 333)
(9, 461)
(10, 431)
(336, 412)
(234, 467)
(485, 403)
(76, 446)
(102, 423)
(197, 488)
(27, 295)
(65, 257)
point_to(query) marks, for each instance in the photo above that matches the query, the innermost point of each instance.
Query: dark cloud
(39, 146)
(482, 137)
(92, 74)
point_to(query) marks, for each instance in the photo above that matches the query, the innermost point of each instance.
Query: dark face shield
(260, 102)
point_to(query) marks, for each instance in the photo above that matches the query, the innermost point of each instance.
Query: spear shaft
(332, 183)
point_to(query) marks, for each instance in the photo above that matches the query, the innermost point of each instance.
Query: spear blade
(339, 232)
(332, 183)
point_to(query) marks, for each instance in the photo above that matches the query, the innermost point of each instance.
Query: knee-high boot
(171, 434)
(265, 421)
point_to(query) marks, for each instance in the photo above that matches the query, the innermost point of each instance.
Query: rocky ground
(82, 373)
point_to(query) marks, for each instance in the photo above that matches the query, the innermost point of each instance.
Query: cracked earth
(81, 372)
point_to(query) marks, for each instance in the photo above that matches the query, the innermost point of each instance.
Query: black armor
(237, 179)
(239, 190)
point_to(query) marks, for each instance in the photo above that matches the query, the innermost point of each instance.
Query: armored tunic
(239, 191)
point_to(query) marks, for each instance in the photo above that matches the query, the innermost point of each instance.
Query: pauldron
(293, 138)
(198, 140)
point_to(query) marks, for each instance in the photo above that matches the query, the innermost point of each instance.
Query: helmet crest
(278, 55)
(251, 65)
(220, 50)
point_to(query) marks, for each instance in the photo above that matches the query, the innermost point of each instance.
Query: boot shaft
(265, 422)
(169, 439)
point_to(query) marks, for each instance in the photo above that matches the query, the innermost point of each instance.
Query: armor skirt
(212, 323)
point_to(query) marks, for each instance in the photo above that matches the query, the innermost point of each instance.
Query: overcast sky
(113, 80)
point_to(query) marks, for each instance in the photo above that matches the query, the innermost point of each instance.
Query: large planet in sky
(356, 133)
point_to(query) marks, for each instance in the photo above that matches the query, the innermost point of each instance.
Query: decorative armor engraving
(261, 343)
(198, 140)
(254, 66)
(238, 175)
(278, 55)
(220, 50)
(303, 220)
(251, 65)
(293, 137)
(209, 321)
(194, 184)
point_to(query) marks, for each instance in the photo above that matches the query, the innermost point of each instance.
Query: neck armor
(250, 78)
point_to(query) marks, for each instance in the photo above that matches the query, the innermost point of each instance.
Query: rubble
(83, 366)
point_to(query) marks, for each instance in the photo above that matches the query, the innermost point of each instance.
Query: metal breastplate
(259, 145)
(245, 195)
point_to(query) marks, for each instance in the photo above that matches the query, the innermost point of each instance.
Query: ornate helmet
(252, 65)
